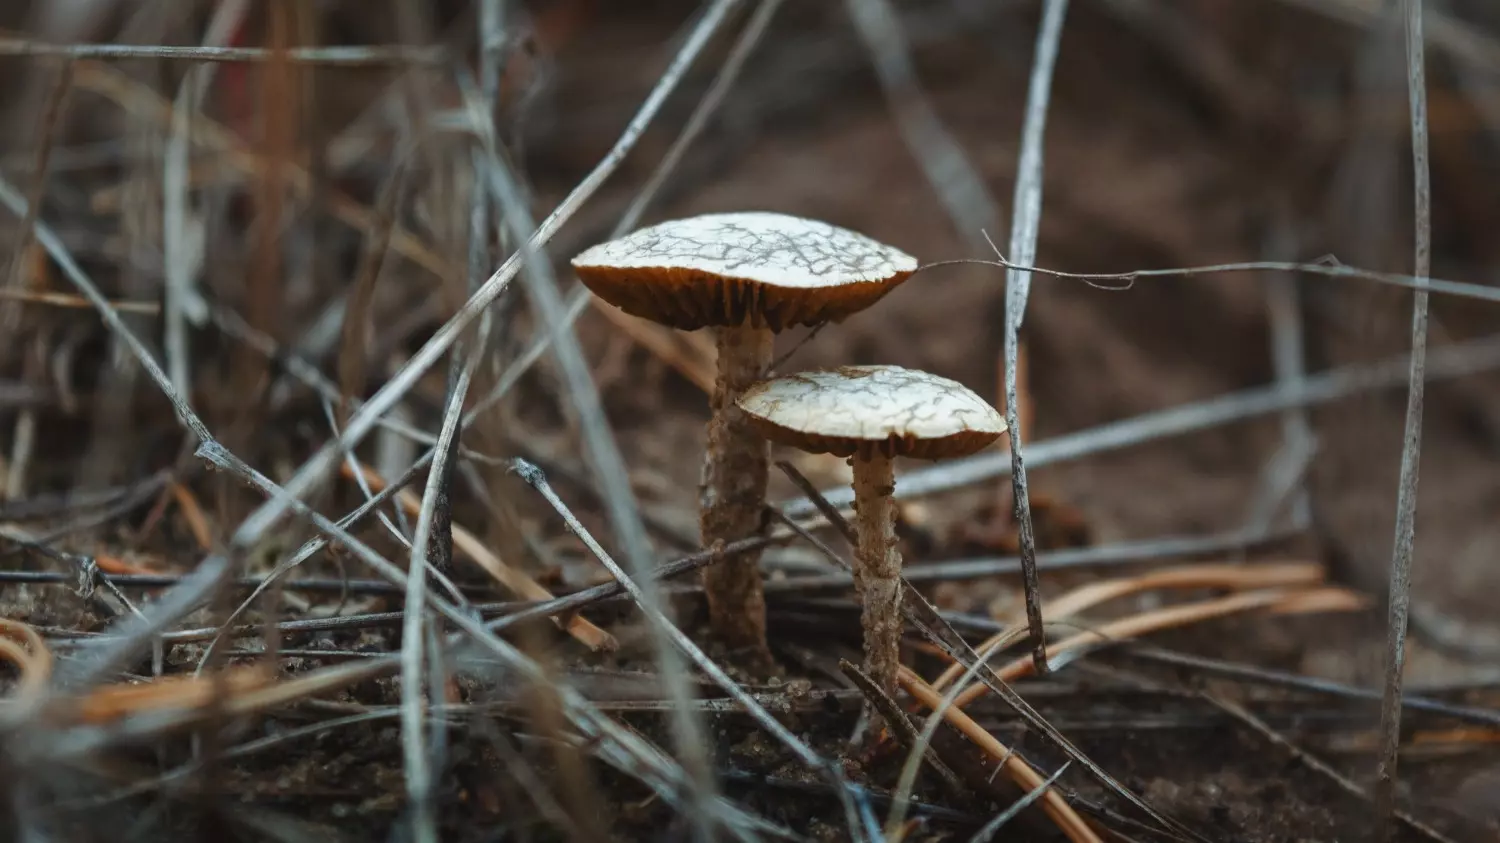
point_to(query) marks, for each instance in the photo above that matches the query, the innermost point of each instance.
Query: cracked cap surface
(758, 268)
(860, 410)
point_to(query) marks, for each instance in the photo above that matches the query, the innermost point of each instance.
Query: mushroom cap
(754, 268)
(862, 410)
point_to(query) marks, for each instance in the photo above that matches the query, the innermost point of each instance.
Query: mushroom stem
(879, 565)
(733, 493)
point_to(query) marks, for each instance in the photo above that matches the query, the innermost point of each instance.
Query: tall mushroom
(873, 414)
(749, 275)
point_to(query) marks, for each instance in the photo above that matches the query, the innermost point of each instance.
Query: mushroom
(749, 275)
(872, 414)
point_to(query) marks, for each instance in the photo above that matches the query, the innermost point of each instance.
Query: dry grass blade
(621, 506)
(1399, 593)
(185, 692)
(1025, 224)
(1450, 361)
(1281, 601)
(192, 513)
(516, 581)
(1017, 769)
(76, 302)
(1263, 676)
(1225, 576)
(1288, 358)
(897, 721)
(414, 632)
(341, 56)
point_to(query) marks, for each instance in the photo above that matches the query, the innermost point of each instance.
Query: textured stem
(733, 493)
(879, 564)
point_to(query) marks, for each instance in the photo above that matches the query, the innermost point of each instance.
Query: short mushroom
(750, 275)
(873, 414)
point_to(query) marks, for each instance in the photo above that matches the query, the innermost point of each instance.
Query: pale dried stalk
(1227, 576)
(736, 468)
(1399, 589)
(1278, 601)
(180, 692)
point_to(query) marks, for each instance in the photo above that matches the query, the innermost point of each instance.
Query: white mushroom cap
(865, 409)
(754, 267)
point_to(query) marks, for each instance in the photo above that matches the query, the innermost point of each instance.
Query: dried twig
(1411, 449)
(1233, 577)
(1025, 223)
(1273, 599)
(1250, 673)
(1451, 361)
(330, 56)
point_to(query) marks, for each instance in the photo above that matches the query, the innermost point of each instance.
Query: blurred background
(288, 193)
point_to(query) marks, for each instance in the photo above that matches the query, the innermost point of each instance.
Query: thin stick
(1274, 599)
(1284, 309)
(1411, 451)
(1450, 361)
(329, 56)
(1231, 577)
(1329, 268)
(1078, 558)
(1025, 224)
(1260, 675)
(419, 781)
